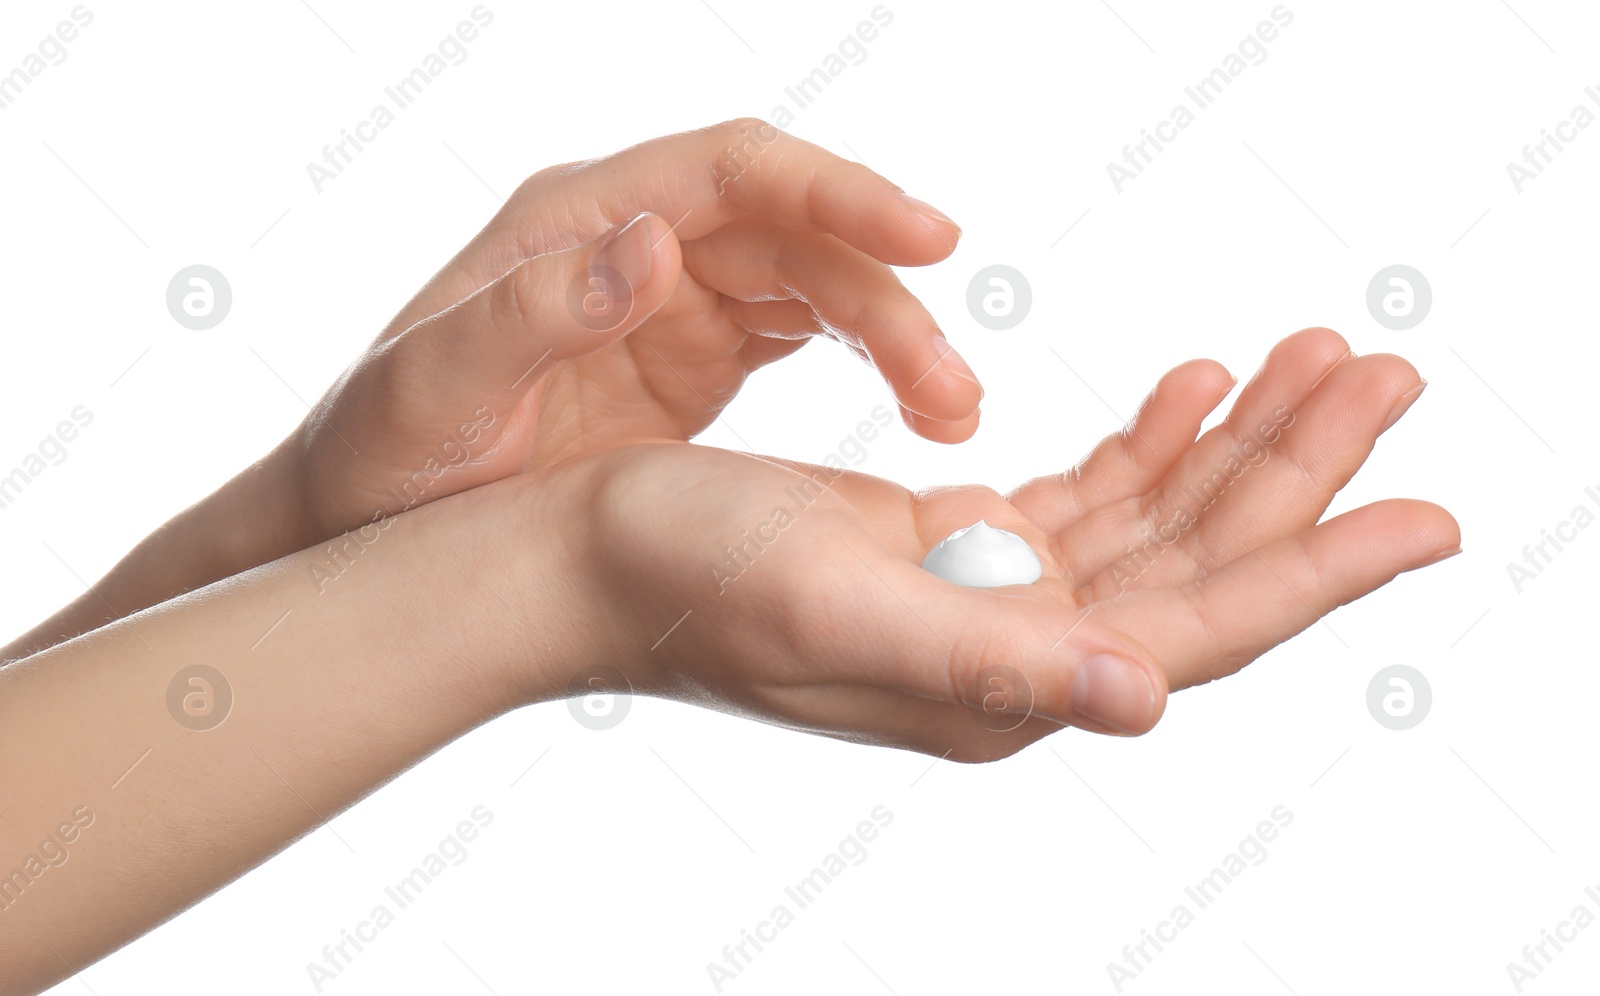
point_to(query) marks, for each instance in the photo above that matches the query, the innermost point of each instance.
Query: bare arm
(473, 605)
(332, 694)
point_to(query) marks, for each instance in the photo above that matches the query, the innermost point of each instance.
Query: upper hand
(727, 248)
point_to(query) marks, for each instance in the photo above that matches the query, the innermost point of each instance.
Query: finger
(552, 307)
(1133, 460)
(916, 634)
(1283, 487)
(699, 180)
(780, 327)
(855, 298)
(492, 351)
(1118, 540)
(786, 319)
(759, 351)
(748, 166)
(1212, 628)
(773, 329)
(937, 431)
(1291, 371)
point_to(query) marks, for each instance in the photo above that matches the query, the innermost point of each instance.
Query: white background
(1417, 861)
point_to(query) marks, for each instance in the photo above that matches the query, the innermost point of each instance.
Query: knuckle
(518, 296)
(543, 179)
(741, 127)
(739, 147)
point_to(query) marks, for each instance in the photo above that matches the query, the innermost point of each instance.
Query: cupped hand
(794, 593)
(629, 297)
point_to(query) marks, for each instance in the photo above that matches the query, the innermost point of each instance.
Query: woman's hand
(793, 593)
(625, 298)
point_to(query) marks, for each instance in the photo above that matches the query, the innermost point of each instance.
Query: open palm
(807, 606)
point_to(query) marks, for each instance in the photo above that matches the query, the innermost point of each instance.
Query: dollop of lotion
(981, 556)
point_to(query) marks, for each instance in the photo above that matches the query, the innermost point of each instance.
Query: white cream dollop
(981, 556)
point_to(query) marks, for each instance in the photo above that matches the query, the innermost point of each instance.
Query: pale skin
(745, 256)
(582, 539)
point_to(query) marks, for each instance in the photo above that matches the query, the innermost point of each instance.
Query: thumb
(1007, 654)
(1020, 661)
(493, 347)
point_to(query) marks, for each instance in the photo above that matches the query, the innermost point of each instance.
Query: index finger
(699, 181)
(703, 179)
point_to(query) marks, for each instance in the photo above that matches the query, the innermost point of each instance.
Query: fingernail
(929, 211)
(953, 362)
(1441, 555)
(1406, 401)
(1114, 692)
(631, 253)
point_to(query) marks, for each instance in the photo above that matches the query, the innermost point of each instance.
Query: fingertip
(938, 431)
(1215, 374)
(1118, 692)
(945, 232)
(1432, 526)
(910, 231)
(1203, 381)
(1402, 405)
(664, 251)
(1313, 350)
(1319, 340)
(931, 379)
(633, 271)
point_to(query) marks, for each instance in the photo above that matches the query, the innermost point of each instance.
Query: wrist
(255, 518)
(252, 519)
(612, 575)
(523, 603)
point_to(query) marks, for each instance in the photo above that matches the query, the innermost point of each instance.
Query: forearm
(333, 693)
(246, 522)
